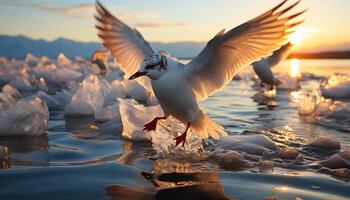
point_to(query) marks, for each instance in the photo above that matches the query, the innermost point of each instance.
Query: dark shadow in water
(201, 186)
(23, 148)
(76, 123)
(26, 144)
(85, 128)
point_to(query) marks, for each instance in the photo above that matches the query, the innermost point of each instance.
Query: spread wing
(280, 54)
(127, 45)
(227, 52)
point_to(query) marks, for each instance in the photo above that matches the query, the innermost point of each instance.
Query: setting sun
(297, 37)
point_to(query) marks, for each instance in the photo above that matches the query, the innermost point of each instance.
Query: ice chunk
(27, 117)
(325, 144)
(164, 144)
(21, 83)
(230, 160)
(117, 91)
(336, 86)
(88, 98)
(107, 113)
(62, 60)
(306, 104)
(251, 144)
(65, 75)
(134, 116)
(52, 102)
(11, 91)
(41, 84)
(31, 60)
(115, 74)
(135, 91)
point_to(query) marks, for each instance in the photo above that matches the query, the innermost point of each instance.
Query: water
(80, 159)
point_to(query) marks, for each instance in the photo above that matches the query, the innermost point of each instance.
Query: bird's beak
(137, 74)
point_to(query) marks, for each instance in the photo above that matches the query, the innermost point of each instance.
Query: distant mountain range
(19, 46)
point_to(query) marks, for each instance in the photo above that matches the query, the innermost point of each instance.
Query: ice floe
(336, 86)
(26, 117)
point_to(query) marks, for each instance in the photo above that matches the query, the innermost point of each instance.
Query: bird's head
(153, 66)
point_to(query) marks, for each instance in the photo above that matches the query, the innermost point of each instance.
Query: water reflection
(26, 144)
(26, 150)
(177, 186)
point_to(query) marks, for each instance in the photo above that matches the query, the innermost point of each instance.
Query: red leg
(151, 126)
(272, 87)
(182, 138)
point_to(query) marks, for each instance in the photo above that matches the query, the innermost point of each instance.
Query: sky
(327, 21)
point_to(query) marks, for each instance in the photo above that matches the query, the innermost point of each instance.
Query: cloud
(80, 10)
(160, 25)
(87, 10)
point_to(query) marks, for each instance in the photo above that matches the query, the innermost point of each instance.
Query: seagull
(179, 87)
(263, 67)
(100, 58)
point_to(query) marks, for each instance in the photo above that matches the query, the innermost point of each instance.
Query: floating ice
(117, 91)
(31, 60)
(62, 60)
(336, 86)
(88, 98)
(115, 74)
(307, 103)
(8, 97)
(251, 144)
(230, 160)
(41, 84)
(135, 91)
(107, 113)
(52, 102)
(22, 83)
(134, 116)
(27, 117)
(8, 89)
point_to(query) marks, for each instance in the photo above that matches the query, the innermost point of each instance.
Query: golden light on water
(281, 188)
(294, 68)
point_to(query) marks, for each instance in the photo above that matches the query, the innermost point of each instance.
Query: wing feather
(227, 52)
(127, 45)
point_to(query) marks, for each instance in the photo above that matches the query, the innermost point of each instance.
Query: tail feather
(205, 127)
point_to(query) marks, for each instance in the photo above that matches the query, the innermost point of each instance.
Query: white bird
(263, 67)
(100, 58)
(179, 87)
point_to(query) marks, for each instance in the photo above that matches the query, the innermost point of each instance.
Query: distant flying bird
(179, 87)
(263, 67)
(100, 58)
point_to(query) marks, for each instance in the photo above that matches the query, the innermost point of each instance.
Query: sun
(297, 37)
